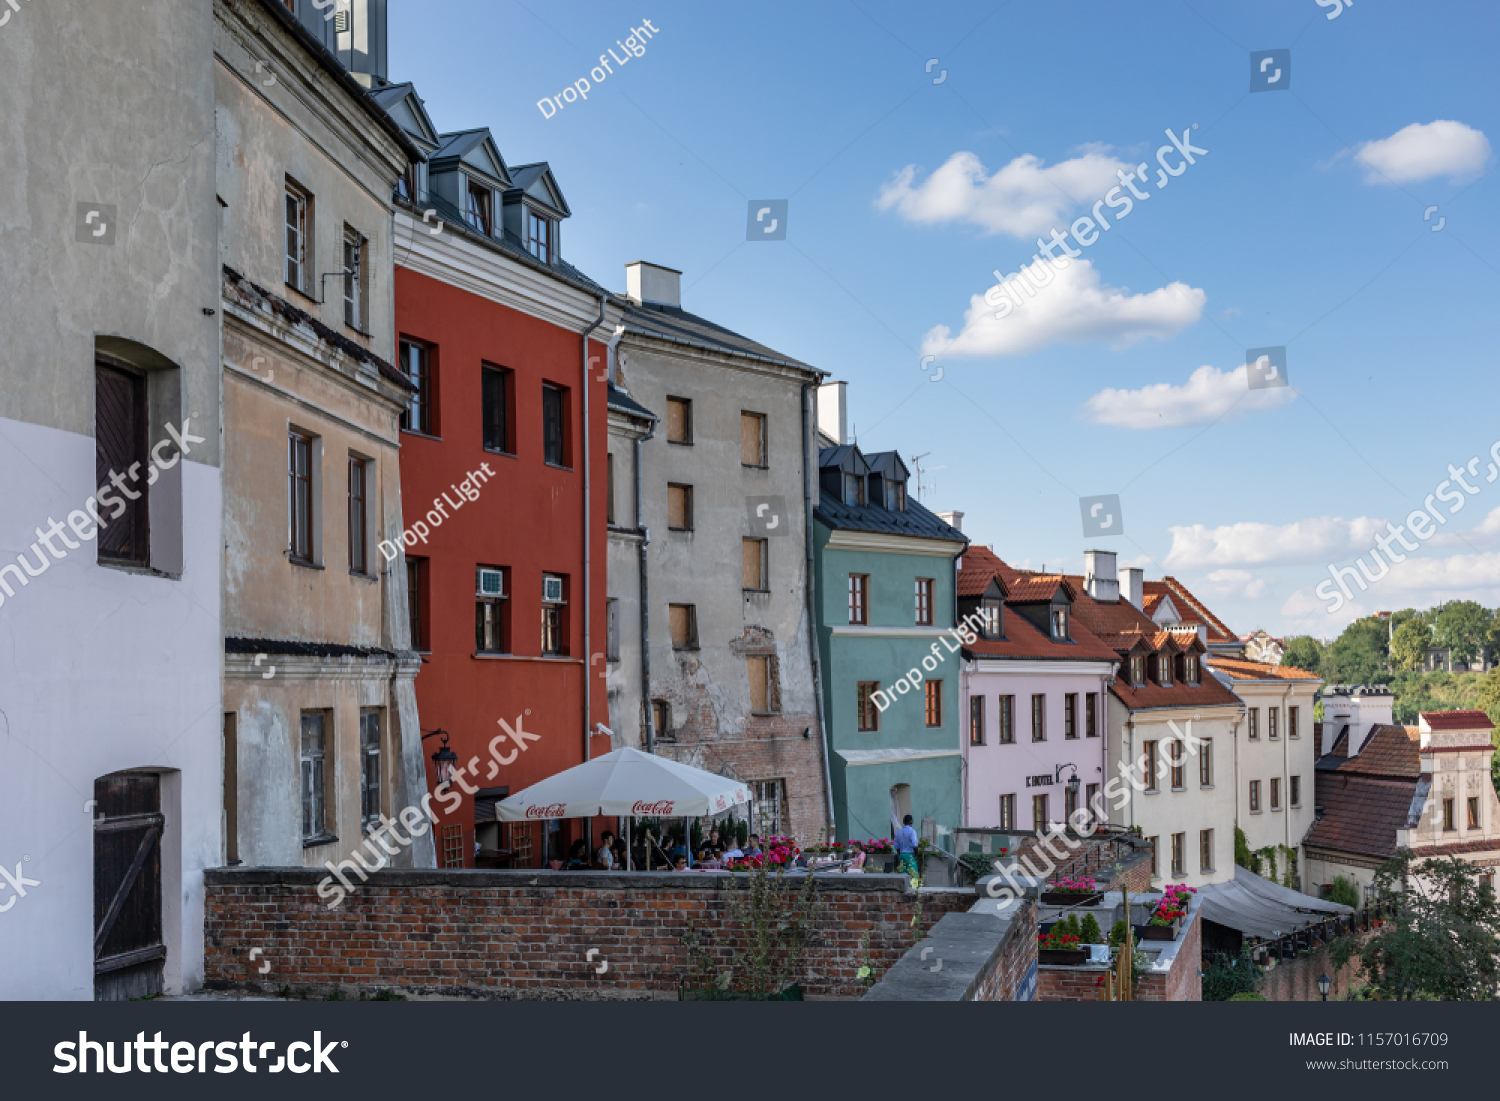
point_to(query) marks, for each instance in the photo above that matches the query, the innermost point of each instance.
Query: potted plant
(1060, 948)
(880, 855)
(1165, 921)
(1070, 890)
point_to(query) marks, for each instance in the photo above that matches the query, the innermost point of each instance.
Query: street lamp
(1324, 982)
(1074, 783)
(443, 759)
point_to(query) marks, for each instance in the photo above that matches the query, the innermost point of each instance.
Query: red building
(504, 442)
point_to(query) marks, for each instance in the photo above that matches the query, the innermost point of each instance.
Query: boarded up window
(680, 508)
(684, 626)
(760, 684)
(679, 420)
(752, 439)
(753, 563)
(119, 446)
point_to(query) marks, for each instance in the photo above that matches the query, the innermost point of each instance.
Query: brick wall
(1297, 980)
(522, 934)
(1182, 983)
(1001, 980)
(983, 955)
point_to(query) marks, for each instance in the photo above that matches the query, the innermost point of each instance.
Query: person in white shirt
(605, 856)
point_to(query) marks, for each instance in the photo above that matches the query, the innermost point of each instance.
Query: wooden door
(128, 948)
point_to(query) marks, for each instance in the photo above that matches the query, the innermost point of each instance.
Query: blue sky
(1303, 226)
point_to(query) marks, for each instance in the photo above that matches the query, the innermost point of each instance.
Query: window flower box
(1071, 891)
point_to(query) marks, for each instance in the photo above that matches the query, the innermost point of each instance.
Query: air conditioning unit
(552, 590)
(341, 21)
(491, 582)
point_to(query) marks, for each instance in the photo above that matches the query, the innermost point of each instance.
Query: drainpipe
(588, 669)
(648, 722)
(812, 618)
(1286, 764)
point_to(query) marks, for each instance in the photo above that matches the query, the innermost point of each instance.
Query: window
(416, 602)
(1039, 815)
(679, 420)
(895, 496)
(684, 619)
(1206, 764)
(1473, 812)
(416, 364)
(555, 425)
(554, 617)
(491, 593)
(314, 810)
(934, 702)
(541, 236)
(679, 507)
(1174, 757)
(300, 495)
(1295, 792)
(356, 282)
(1254, 727)
(771, 817)
(1038, 717)
(231, 789)
(1448, 823)
(477, 206)
(1190, 669)
(1137, 669)
(753, 440)
(1487, 882)
(854, 489)
(1254, 796)
(661, 719)
(1091, 715)
(496, 386)
(1205, 850)
(924, 602)
(120, 446)
(1272, 714)
(1275, 792)
(1150, 749)
(611, 629)
(869, 713)
(1060, 623)
(1070, 805)
(1070, 715)
(609, 488)
(1091, 794)
(298, 236)
(976, 720)
(762, 695)
(859, 599)
(1164, 670)
(359, 477)
(1007, 812)
(453, 845)
(990, 618)
(1291, 723)
(1179, 842)
(1005, 720)
(369, 768)
(753, 555)
(1155, 848)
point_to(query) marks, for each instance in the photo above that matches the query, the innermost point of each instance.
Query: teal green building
(885, 585)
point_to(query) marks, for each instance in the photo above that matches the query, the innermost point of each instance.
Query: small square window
(679, 507)
(924, 602)
(679, 420)
(416, 365)
(934, 702)
(869, 713)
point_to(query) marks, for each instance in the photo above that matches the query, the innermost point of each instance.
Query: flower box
(1067, 957)
(1159, 932)
(1071, 898)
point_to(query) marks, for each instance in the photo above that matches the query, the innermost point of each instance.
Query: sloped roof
(1023, 640)
(1390, 751)
(619, 399)
(675, 324)
(538, 181)
(1361, 814)
(916, 521)
(404, 106)
(888, 465)
(476, 149)
(1457, 720)
(1191, 608)
(1261, 908)
(1244, 669)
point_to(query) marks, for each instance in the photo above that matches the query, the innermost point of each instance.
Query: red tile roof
(1457, 720)
(1244, 669)
(1392, 751)
(1022, 639)
(1361, 814)
(1188, 606)
(1457, 848)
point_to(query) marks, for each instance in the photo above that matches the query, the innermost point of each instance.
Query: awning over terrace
(1260, 908)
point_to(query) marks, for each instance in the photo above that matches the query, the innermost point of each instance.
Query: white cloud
(1443, 577)
(1207, 395)
(1324, 539)
(1023, 199)
(1486, 533)
(1423, 151)
(1240, 584)
(1064, 305)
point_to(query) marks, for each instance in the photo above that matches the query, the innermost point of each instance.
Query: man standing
(906, 848)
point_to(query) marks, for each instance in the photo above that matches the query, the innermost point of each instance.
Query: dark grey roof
(391, 95)
(523, 176)
(1260, 908)
(845, 457)
(677, 325)
(916, 521)
(619, 399)
(888, 465)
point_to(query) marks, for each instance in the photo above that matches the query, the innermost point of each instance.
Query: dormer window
(1189, 668)
(895, 496)
(477, 207)
(541, 237)
(1059, 624)
(854, 489)
(1164, 670)
(990, 625)
(1136, 670)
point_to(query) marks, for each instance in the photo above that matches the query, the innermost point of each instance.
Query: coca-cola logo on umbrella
(663, 806)
(555, 810)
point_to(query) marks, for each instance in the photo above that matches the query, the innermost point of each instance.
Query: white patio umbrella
(627, 783)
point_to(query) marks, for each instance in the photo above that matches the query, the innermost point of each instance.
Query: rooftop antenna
(928, 487)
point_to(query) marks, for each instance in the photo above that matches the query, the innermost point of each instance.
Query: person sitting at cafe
(604, 856)
(578, 856)
(734, 852)
(680, 864)
(753, 848)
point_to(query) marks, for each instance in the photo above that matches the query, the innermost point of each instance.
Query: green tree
(1225, 977)
(1303, 652)
(1463, 625)
(1358, 655)
(1489, 694)
(1443, 940)
(1398, 618)
(1409, 645)
(1345, 892)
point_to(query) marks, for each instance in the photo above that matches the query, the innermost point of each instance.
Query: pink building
(1033, 698)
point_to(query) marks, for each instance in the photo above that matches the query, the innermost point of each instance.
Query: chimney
(1132, 585)
(1099, 575)
(359, 39)
(833, 411)
(954, 520)
(654, 284)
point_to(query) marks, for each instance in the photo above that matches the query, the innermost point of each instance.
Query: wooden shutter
(751, 553)
(119, 444)
(752, 451)
(679, 421)
(760, 685)
(680, 507)
(682, 626)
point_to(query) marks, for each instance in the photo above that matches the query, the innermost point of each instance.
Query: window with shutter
(120, 445)
(679, 508)
(752, 440)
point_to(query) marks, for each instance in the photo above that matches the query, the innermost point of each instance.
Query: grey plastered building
(725, 493)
